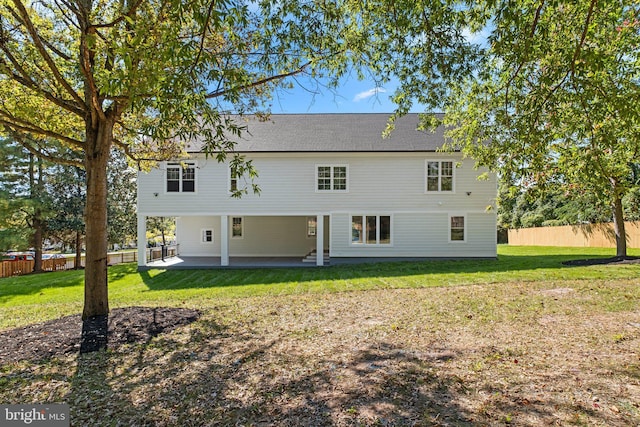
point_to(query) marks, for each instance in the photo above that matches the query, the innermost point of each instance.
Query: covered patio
(204, 263)
(218, 241)
(213, 262)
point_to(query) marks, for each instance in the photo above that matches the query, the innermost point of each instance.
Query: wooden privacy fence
(17, 268)
(583, 235)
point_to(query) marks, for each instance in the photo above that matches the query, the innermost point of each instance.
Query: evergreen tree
(121, 202)
(23, 200)
(66, 186)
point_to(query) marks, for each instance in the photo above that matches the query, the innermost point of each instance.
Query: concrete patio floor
(202, 263)
(193, 262)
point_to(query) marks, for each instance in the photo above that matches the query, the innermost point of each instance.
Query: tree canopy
(147, 76)
(556, 100)
(553, 96)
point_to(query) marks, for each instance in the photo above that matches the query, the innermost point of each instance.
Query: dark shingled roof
(302, 133)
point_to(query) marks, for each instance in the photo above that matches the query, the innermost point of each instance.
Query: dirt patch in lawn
(526, 354)
(62, 336)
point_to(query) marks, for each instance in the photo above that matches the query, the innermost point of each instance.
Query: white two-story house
(329, 183)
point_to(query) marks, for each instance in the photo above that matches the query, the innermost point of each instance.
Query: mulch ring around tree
(603, 261)
(62, 336)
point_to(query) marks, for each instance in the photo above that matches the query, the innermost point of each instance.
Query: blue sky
(353, 96)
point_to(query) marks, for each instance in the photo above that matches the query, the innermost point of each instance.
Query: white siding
(392, 180)
(189, 235)
(273, 236)
(379, 184)
(420, 234)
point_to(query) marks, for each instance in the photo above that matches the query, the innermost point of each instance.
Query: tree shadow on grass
(189, 279)
(524, 403)
(37, 362)
(509, 265)
(94, 397)
(216, 377)
(227, 374)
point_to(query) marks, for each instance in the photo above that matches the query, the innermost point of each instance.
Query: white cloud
(368, 94)
(479, 37)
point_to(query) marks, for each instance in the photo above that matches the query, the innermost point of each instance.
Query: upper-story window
(439, 175)
(233, 182)
(237, 182)
(331, 178)
(181, 177)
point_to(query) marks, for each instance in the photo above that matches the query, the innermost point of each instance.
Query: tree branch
(204, 34)
(583, 36)
(550, 93)
(69, 6)
(532, 33)
(87, 62)
(38, 152)
(121, 18)
(15, 123)
(25, 80)
(260, 82)
(138, 159)
(43, 52)
(524, 60)
(57, 51)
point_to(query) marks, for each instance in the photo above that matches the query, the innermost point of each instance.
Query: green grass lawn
(34, 298)
(522, 340)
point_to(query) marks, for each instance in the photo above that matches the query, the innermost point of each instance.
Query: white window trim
(332, 166)
(194, 163)
(371, 245)
(453, 177)
(466, 227)
(202, 234)
(241, 228)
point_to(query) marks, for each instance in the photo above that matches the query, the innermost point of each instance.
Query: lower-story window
(237, 228)
(457, 229)
(207, 236)
(312, 226)
(371, 229)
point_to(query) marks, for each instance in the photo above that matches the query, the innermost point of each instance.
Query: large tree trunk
(38, 221)
(618, 226)
(78, 263)
(96, 300)
(35, 193)
(37, 241)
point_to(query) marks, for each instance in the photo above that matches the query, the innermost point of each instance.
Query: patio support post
(142, 240)
(320, 240)
(224, 240)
